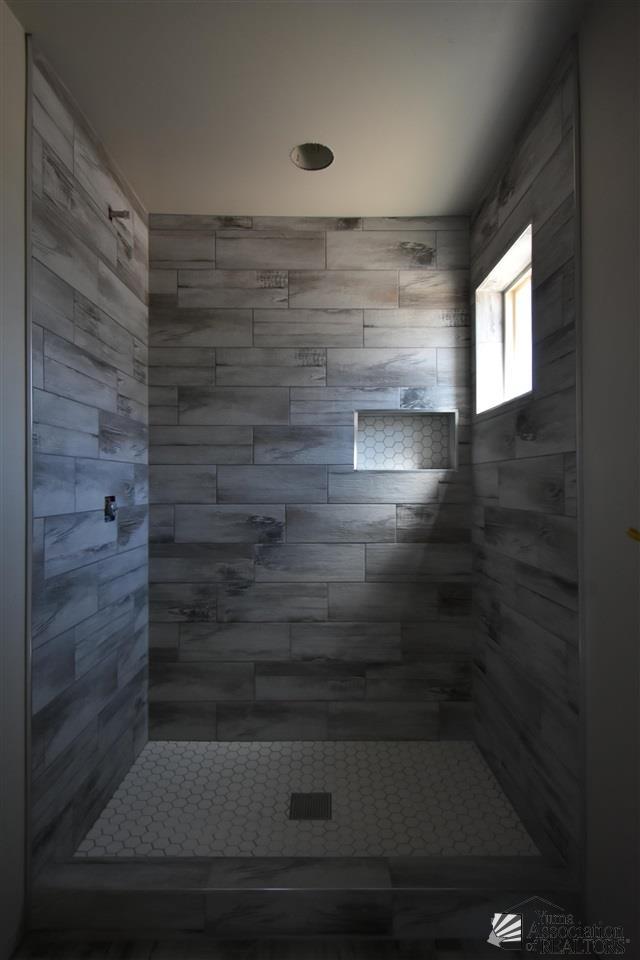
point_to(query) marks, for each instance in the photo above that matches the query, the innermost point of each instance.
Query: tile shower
(310, 526)
(292, 596)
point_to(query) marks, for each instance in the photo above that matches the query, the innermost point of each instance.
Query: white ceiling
(200, 101)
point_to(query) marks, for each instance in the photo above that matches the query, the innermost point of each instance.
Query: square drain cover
(310, 806)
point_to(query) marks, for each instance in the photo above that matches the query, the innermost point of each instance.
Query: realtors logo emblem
(506, 931)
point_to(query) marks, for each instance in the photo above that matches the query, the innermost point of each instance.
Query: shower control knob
(110, 509)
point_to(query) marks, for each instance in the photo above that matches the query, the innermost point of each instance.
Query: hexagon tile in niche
(231, 799)
(404, 441)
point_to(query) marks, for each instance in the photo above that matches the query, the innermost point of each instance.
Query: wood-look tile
(433, 523)
(343, 288)
(176, 562)
(381, 250)
(432, 289)
(383, 601)
(303, 444)
(229, 523)
(182, 602)
(74, 540)
(341, 523)
(307, 328)
(69, 443)
(172, 247)
(272, 720)
(378, 720)
(260, 367)
(233, 405)
(171, 326)
(337, 405)
(233, 641)
(201, 681)
(416, 328)
(381, 367)
(66, 382)
(296, 483)
(172, 483)
(285, 226)
(535, 483)
(232, 288)
(415, 223)
(262, 250)
(199, 222)
(291, 680)
(373, 486)
(308, 562)
(257, 602)
(416, 561)
(51, 117)
(52, 306)
(122, 438)
(370, 642)
(53, 485)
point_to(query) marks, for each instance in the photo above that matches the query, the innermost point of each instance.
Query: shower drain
(310, 806)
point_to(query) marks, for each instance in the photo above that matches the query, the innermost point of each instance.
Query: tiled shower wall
(292, 597)
(89, 359)
(526, 560)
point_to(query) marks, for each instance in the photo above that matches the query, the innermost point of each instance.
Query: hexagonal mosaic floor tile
(192, 799)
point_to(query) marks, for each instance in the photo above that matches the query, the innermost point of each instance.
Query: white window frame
(500, 344)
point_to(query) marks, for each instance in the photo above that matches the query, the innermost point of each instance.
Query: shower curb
(240, 898)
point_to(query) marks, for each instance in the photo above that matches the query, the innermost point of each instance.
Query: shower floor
(231, 799)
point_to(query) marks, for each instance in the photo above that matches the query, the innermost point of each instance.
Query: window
(503, 328)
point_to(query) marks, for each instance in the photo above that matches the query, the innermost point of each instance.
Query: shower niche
(405, 439)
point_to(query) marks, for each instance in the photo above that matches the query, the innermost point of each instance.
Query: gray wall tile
(272, 484)
(380, 250)
(343, 288)
(379, 367)
(370, 642)
(77, 539)
(377, 486)
(182, 602)
(233, 405)
(417, 327)
(169, 483)
(169, 326)
(88, 286)
(272, 721)
(525, 556)
(431, 289)
(53, 485)
(341, 523)
(264, 251)
(309, 681)
(256, 602)
(417, 561)
(200, 562)
(234, 641)
(232, 288)
(307, 444)
(309, 562)
(337, 405)
(373, 721)
(227, 523)
(272, 540)
(383, 601)
(238, 367)
(201, 681)
(307, 328)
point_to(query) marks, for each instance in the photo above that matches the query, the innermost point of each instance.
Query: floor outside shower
(231, 799)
